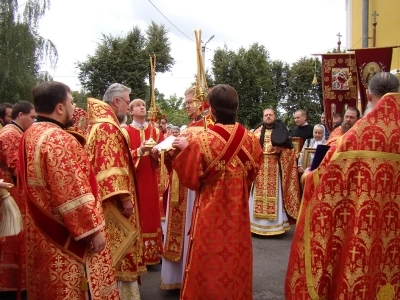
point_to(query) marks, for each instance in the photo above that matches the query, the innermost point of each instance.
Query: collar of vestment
(101, 112)
(45, 119)
(138, 125)
(16, 124)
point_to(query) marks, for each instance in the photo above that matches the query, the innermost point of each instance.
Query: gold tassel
(350, 81)
(11, 218)
(315, 80)
(84, 283)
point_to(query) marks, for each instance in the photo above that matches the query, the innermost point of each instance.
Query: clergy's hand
(98, 242)
(5, 185)
(180, 143)
(154, 153)
(306, 171)
(127, 208)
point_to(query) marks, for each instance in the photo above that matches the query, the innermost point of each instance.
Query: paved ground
(270, 262)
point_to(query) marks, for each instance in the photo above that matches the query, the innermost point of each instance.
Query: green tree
(173, 109)
(249, 72)
(22, 49)
(126, 60)
(302, 94)
(80, 98)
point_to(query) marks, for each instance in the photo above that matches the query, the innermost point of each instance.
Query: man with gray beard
(113, 167)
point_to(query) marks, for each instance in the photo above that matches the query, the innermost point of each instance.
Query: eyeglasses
(126, 101)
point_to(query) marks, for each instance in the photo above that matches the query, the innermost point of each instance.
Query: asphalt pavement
(270, 258)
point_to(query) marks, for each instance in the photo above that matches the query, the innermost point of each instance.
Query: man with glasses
(110, 156)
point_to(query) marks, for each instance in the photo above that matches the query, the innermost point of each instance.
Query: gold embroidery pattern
(346, 240)
(108, 152)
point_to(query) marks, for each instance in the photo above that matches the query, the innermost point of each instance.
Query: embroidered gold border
(75, 203)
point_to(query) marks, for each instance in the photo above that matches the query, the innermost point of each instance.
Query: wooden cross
(370, 217)
(375, 14)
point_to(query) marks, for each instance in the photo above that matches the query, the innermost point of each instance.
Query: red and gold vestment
(278, 174)
(110, 157)
(147, 189)
(174, 237)
(346, 241)
(55, 174)
(12, 248)
(223, 162)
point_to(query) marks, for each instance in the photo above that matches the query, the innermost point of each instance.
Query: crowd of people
(101, 200)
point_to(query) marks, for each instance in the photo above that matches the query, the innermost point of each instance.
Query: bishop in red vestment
(346, 239)
(12, 248)
(219, 164)
(146, 162)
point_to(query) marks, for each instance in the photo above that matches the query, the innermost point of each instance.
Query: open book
(166, 144)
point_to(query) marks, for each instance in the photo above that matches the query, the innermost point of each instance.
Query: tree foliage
(22, 49)
(301, 93)
(259, 81)
(125, 59)
(173, 108)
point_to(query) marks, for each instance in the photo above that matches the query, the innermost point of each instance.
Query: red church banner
(369, 62)
(337, 70)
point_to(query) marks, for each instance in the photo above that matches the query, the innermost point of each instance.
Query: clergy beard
(70, 121)
(121, 117)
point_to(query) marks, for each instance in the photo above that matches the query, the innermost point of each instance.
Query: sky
(289, 30)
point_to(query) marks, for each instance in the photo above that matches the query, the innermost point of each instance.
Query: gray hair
(175, 128)
(382, 83)
(115, 90)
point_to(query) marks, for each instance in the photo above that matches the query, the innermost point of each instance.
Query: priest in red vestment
(145, 160)
(67, 254)
(12, 255)
(110, 156)
(346, 239)
(219, 164)
(180, 205)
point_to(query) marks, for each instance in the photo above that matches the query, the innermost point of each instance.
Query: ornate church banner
(339, 84)
(369, 62)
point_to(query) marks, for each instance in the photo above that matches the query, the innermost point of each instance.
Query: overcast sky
(289, 29)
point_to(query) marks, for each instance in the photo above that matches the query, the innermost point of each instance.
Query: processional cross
(339, 42)
(375, 14)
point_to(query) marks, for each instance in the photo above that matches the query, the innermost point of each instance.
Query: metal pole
(365, 16)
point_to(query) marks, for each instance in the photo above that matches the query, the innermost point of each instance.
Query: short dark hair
(225, 101)
(22, 106)
(355, 110)
(3, 107)
(338, 115)
(48, 94)
(382, 83)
